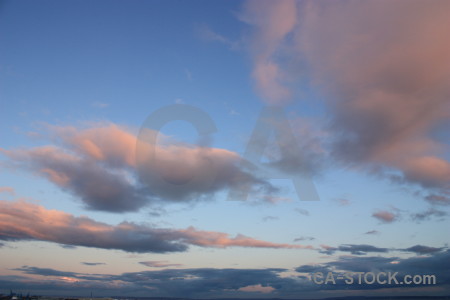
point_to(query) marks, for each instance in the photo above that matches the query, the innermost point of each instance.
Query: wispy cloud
(207, 33)
(428, 214)
(159, 264)
(438, 199)
(7, 189)
(353, 249)
(372, 232)
(92, 263)
(304, 238)
(421, 249)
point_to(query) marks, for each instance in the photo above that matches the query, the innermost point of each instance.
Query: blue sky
(362, 86)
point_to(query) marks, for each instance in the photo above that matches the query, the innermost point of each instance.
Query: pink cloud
(383, 69)
(385, 216)
(7, 189)
(271, 21)
(257, 288)
(99, 165)
(27, 221)
(159, 264)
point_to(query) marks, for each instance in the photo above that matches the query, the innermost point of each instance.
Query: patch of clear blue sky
(60, 57)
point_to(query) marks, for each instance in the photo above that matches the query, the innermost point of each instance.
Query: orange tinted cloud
(223, 240)
(99, 165)
(27, 221)
(385, 216)
(271, 21)
(7, 189)
(383, 69)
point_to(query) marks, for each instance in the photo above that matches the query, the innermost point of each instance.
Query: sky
(223, 149)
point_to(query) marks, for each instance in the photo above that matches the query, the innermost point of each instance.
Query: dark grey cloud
(304, 238)
(97, 186)
(372, 232)
(353, 249)
(224, 283)
(421, 249)
(434, 264)
(92, 263)
(68, 246)
(363, 249)
(206, 282)
(45, 272)
(428, 214)
(159, 264)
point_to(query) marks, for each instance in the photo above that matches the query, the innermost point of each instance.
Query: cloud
(420, 249)
(271, 21)
(92, 263)
(353, 249)
(275, 199)
(27, 221)
(206, 33)
(372, 232)
(45, 271)
(7, 189)
(385, 69)
(428, 214)
(361, 249)
(98, 165)
(68, 247)
(435, 264)
(438, 199)
(257, 288)
(385, 216)
(298, 147)
(302, 211)
(382, 68)
(191, 283)
(159, 264)
(304, 238)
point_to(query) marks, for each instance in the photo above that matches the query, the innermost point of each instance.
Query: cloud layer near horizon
(27, 221)
(209, 282)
